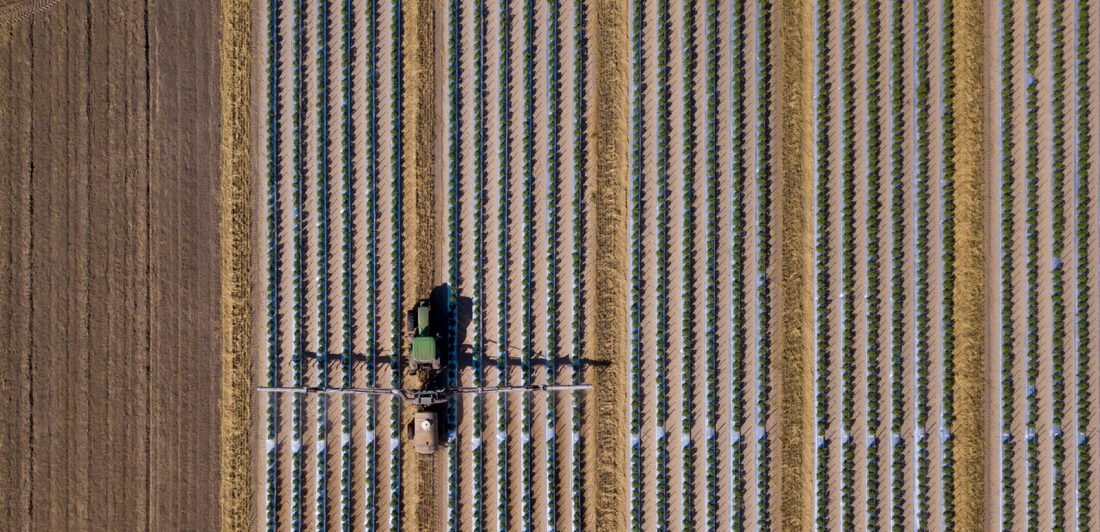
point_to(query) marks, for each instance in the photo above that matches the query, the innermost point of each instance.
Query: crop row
(848, 263)
(323, 289)
(738, 294)
(297, 459)
(874, 274)
(713, 194)
(923, 220)
(948, 260)
(824, 327)
(580, 166)
(347, 151)
(1008, 230)
(503, 263)
(687, 368)
(398, 257)
(553, 326)
(764, 254)
(372, 158)
(664, 208)
(480, 171)
(637, 257)
(1058, 299)
(529, 50)
(274, 171)
(1084, 172)
(1032, 224)
(897, 259)
(454, 224)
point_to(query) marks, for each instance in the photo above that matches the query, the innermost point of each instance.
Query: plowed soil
(111, 291)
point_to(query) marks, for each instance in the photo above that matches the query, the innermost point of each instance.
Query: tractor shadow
(450, 335)
(455, 347)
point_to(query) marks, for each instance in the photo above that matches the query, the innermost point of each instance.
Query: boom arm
(333, 391)
(426, 396)
(524, 389)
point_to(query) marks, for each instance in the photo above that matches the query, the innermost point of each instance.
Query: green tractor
(427, 430)
(423, 355)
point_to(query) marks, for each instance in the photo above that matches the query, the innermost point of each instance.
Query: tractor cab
(423, 352)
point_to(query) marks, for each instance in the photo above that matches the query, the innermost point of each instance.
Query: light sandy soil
(114, 283)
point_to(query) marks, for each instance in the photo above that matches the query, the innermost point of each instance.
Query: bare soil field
(112, 293)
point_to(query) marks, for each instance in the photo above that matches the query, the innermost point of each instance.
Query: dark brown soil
(111, 291)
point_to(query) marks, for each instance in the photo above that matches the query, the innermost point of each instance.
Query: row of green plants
(454, 239)
(924, 221)
(664, 213)
(637, 259)
(822, 252)
(739, 311)
(529, 117)
(948, 260)
(373, 183)
(1033, 353)
(503, 261)
(580, 175)
(398, 280)
(274, 171)
(713, 194)
(1059, 274)
(874, 273)
(1008, 230)
(553, 307)
(1085, 171)
(687, 266)
(347, 254)
(298, 232)
(764, 254)
(480, 263)
(897, 263)
(323, 251)
(848, 263)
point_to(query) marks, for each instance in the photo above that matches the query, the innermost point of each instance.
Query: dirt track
(111, 260)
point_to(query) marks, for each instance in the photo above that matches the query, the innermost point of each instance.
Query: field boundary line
(235, 227)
